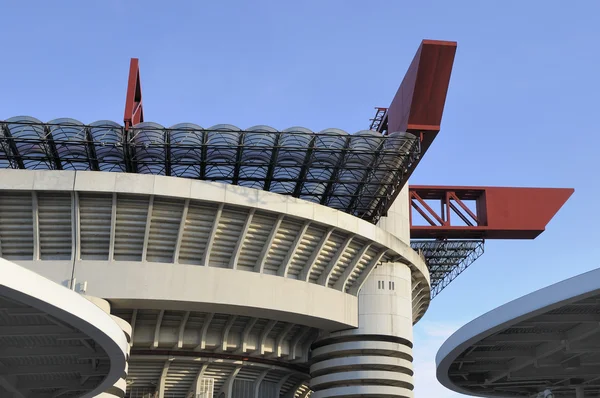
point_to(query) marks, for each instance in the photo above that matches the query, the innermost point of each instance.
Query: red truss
(134, 110)
(498, 213)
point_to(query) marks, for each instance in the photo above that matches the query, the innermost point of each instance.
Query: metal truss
(379, 122)
(358, 174)
(447, 259)
(495, 212)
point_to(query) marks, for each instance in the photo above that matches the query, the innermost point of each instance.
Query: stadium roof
(544, 340)
(358, 174)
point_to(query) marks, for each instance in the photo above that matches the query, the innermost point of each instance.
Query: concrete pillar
(397, 220)
(579, 392)
(376, 358)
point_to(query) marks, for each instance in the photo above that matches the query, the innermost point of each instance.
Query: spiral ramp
(53, 342)
(375, 359)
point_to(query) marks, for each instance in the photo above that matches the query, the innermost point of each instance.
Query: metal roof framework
(447, 259)
(358, 174)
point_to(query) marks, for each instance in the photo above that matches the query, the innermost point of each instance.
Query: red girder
(499, 213)
(134, 110)
(419, 102)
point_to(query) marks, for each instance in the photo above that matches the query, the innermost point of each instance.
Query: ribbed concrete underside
(63, 225)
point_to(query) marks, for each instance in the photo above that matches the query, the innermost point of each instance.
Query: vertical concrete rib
(186, 207)
(36, 226)
(113, 223)
(324, 277)
(260, 264)
(258, 381)
(227, 387)
(133, 320)
(240, 243)
(211, 237)
(305, 274)
(204, 332)
(75, 235)
(285, 265)
(341, 283)
(279, 340)
(365, 274)
(264, 335)
(281, 383)
(245, 334)
(226, 330)
(163, 379)
(195, 387)
(182, 329)
(157, 329)
(294, 343)
(147, 232)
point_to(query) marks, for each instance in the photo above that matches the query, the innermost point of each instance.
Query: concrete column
(579, 392)
(397, 220)
(376, 358)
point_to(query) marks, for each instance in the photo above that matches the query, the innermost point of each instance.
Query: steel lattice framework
(447, 259)
(359, 174)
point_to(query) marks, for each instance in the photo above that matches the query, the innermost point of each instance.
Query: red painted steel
(419, 102)
(499, 213)
(134, 109)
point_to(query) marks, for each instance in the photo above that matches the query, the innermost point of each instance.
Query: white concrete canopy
(53, 341)
(546, 340)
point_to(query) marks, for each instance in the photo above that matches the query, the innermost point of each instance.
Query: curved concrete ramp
(54, 342)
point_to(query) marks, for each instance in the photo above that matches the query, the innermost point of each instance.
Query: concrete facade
(229, 291)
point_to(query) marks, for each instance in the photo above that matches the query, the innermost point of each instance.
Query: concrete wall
(194, 288)
(373, 303)
(397, 221)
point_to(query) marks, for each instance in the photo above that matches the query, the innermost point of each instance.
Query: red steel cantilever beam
(498, 213)
(418, 105)
(419, 102)
(134, 110)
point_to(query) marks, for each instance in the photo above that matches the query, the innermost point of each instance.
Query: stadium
(218, 261)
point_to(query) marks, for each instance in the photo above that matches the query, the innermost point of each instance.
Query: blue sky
(522, 108)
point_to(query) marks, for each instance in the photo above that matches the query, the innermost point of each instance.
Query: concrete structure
(545, 343)
(225, 288)
(245, 263)
(55, 343)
